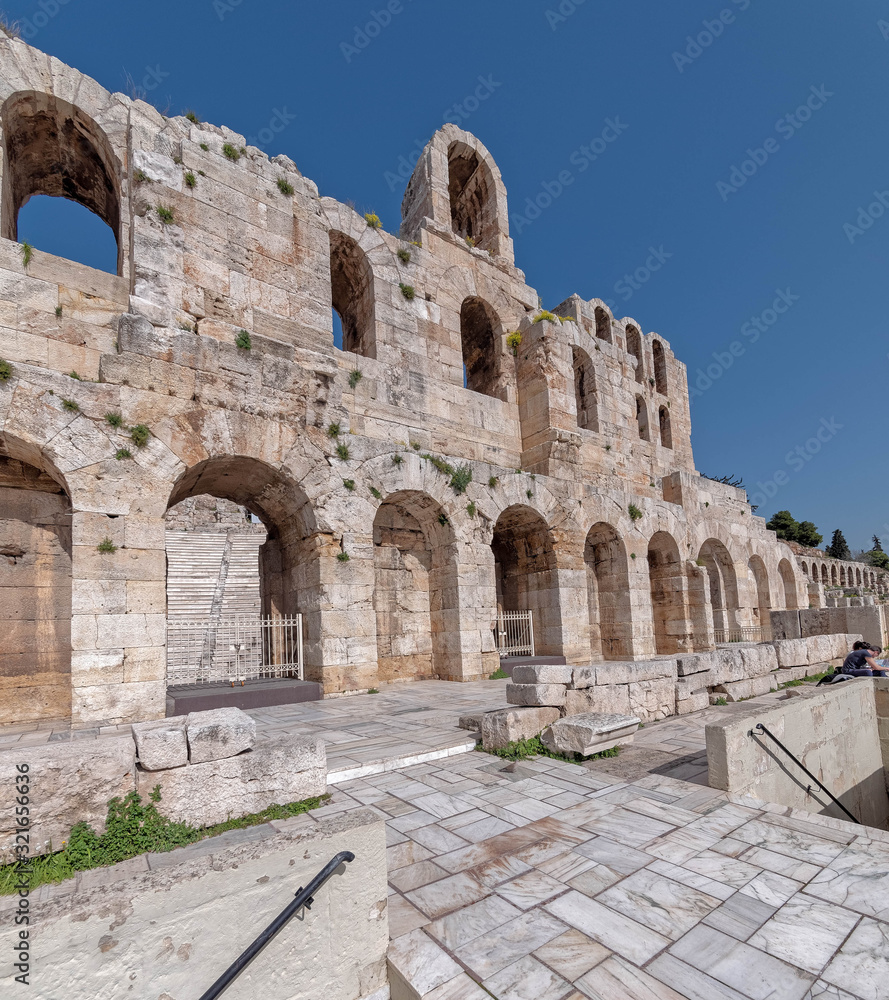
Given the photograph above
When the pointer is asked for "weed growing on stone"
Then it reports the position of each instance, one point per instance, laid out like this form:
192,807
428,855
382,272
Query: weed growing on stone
114,419
27,254
205,147
404,256
529,493
373,220
349,484
106,546
230,153
190,180
334,431
535,747
397,459
471,508
374,492
6,371
165,214
415,445
243,340
140,435
342,451
355,377
284,186
140,177
608,447
131,829
74,375
514,341
192,117
58,312
443,519
545,314
498,675
721,701
373,690
123,453
70,405
470,242
492,482
408,291
342,556
634,512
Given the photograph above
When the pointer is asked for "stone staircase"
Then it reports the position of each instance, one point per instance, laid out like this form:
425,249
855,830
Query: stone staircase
212,574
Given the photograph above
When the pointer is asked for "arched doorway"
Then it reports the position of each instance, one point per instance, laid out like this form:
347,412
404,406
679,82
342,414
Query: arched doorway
763,608
723,587
788,582
669,608
608,594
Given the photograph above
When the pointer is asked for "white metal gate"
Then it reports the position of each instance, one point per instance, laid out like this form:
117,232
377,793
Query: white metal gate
514,633
234,649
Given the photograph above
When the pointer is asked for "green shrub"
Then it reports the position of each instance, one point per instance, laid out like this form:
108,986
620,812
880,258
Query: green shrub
634,512
443,519
416,445
243,340
192,117
70,405
334,431
106,545
165,214
114,419
6,371
27,253
373,220
123,453
342,556
373,690
535,747
355,377
529,493
404,256
408,291
190,179
470,242
284,186
608,447
721,701
514,341
140,435
230,153
342,451
498,675
461,478
349,484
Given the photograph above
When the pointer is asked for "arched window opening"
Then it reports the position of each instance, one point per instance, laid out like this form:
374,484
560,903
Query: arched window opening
642,419
666,430
52,148
608,594
669,596
35,593
603,324
824,578
858,577
585,397
634,347
480,341
788,583
842,576
805,569
352,295
833,576
660,367
471,192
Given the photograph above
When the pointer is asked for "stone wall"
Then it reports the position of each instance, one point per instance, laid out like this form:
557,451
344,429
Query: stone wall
832,730
553,468
168,925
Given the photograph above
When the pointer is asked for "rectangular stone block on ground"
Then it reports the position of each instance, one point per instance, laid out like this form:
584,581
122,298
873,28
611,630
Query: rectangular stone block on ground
542,673
219,733
161,744
590,733
508,724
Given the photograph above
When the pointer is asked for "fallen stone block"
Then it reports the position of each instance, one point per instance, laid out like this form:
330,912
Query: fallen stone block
161,744
285,770
541,673
219,733
471,722
590,733
506,725
535,695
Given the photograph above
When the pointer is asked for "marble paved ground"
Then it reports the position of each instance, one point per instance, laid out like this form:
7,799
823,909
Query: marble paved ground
543,880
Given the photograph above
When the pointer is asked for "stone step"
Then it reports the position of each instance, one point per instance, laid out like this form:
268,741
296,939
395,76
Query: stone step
186,698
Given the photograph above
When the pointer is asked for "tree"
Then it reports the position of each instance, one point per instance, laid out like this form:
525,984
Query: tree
785,525
839,547
877,557
877,547
808,534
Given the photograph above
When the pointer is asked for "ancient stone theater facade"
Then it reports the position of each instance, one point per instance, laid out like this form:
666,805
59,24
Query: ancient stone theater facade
464,451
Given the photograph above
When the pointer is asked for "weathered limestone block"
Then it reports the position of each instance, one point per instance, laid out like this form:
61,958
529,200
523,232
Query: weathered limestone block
542,673
820,648
535,695
508,724
750,688
652,699
621,672
471,722
219,733
690,698
161,744
792,652
695,663
590,732
286,770
69,783
609,698
759,659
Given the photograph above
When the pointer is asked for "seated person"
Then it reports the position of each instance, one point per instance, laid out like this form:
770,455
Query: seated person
862,662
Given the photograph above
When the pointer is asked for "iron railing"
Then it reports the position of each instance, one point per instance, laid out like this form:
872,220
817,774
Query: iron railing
741,633
303,898
759,728
234,650
514,633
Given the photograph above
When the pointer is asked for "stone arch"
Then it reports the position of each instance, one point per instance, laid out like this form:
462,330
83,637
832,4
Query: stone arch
666,428
858,577
634,347
471,195
51,147
603,325
480,341
723,583
527,575
660,367
35,586
842,576
352,294
608,594
761,612
833,576
788,582
669,610
642,419
415,589
805,567
585,395
824,577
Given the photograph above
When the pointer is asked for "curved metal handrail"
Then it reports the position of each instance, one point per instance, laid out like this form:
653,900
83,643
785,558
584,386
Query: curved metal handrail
302,898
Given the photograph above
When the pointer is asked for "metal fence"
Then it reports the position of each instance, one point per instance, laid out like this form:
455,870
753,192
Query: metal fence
514,633
742,633
234,649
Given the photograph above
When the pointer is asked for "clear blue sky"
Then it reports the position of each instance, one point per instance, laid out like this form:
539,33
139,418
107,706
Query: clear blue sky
687,113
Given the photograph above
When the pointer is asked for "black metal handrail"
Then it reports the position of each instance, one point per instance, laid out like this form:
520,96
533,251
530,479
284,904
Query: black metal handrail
302,898
762,729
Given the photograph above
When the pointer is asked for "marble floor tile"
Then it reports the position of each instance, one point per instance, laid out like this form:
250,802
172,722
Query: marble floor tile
411,821
412,877
740,916
462,819
858,879
781,864
531,809
440,804
498,870
448,894
572,954
459,988
805,933
436,839
527,979
693,879
617,856
406,853
680,845
483,829
421,962
403,917
542,850
616,979
665,906
728,870
628,827
771,888
530,889
555,828
760,833
615,931
751,972
458,929
862,965
595,880
488,954
566,866
690,983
